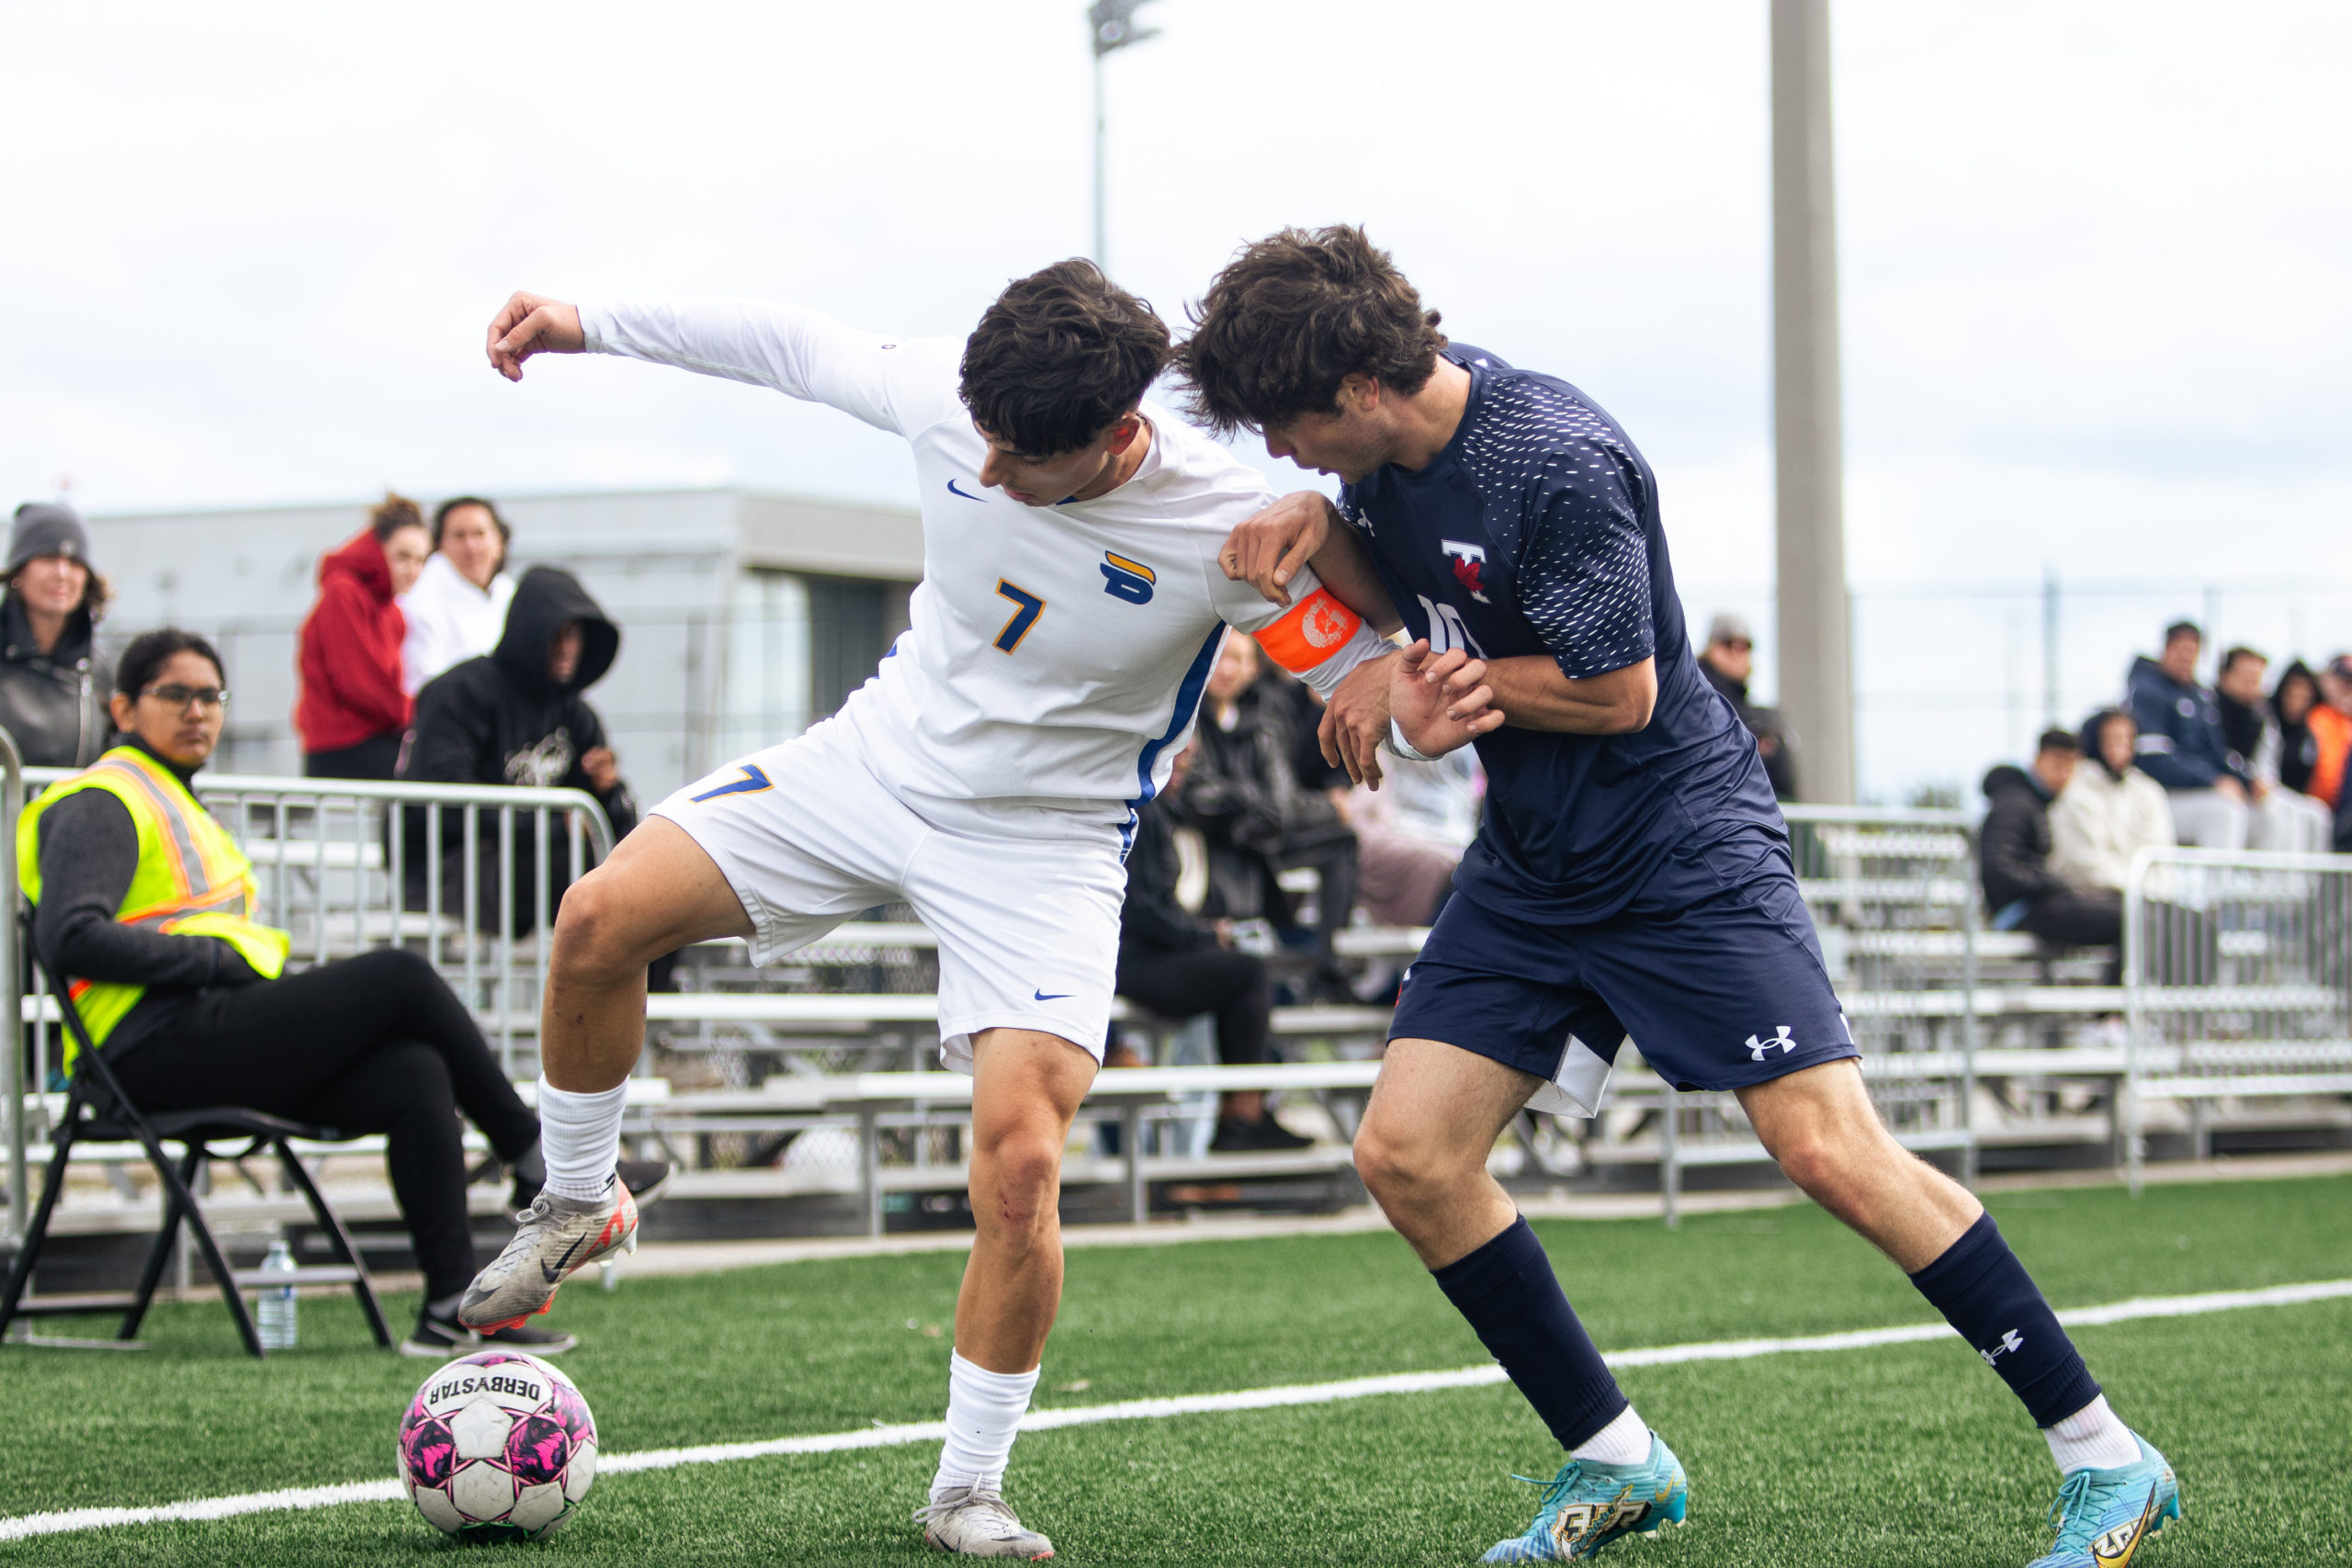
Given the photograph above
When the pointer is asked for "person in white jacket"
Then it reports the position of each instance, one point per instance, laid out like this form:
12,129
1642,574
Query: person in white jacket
2109,810
458,608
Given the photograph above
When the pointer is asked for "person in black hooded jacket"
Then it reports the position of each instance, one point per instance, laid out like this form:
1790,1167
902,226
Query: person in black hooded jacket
2013,850
515,716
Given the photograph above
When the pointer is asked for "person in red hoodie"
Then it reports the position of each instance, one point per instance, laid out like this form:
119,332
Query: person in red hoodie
352,712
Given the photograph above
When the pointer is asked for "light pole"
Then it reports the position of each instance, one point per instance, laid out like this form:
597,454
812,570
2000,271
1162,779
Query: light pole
1812,626
1112,25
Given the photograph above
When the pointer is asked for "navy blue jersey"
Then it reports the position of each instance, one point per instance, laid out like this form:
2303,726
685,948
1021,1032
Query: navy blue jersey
1536,532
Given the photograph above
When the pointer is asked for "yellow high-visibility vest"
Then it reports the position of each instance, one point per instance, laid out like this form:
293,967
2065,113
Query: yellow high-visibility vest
192,879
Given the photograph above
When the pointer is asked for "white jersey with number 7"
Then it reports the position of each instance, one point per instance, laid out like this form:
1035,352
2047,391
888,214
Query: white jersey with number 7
1055,652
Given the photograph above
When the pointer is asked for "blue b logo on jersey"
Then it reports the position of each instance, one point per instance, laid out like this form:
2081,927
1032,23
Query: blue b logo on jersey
1125,579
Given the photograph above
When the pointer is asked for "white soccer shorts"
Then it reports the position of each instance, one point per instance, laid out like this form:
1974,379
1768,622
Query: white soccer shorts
1023,898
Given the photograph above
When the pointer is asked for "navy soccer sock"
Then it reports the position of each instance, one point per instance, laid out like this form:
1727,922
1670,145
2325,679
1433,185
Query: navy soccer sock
1514,1300
1982,1289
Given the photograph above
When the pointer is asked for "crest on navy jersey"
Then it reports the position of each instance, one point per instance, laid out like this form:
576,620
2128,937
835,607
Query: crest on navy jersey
1469,561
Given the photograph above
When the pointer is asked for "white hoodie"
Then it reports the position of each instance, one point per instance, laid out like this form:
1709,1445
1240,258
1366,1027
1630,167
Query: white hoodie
2101,821
449,620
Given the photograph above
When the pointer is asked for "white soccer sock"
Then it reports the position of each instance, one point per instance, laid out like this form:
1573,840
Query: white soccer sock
1625,1440
2092,1438
984,1411
580,1138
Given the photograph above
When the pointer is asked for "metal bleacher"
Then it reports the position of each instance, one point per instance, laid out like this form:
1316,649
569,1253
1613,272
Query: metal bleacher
818,1077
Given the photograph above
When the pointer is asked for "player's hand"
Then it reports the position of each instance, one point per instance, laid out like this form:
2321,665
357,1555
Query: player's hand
1355,720
2229,788
604,770
529,324
1267,550
1442,702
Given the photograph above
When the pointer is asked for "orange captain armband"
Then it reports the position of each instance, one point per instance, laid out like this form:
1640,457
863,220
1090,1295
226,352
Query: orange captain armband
1310,632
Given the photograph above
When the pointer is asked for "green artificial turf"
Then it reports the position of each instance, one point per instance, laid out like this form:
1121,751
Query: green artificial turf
1902,1454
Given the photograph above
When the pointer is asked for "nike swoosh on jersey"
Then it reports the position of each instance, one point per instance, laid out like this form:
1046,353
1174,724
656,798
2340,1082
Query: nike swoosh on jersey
967,494
1050,997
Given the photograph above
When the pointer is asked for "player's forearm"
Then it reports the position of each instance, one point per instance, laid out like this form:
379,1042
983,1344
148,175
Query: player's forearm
742,340
1346,569
1533,695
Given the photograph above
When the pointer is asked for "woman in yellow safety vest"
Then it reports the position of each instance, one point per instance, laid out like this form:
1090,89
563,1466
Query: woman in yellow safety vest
147,904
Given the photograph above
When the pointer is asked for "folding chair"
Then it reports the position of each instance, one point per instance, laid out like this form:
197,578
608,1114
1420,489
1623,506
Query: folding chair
97,1110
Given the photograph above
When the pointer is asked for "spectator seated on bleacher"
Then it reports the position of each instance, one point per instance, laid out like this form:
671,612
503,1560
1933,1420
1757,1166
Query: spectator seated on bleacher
144,901
2282,818
2109,810
2330,721
2022,889
1244,796
2219,802
516,716
1177,966
2291,700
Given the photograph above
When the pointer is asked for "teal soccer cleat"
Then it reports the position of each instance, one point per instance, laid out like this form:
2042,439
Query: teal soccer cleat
1588,1504
2104,1517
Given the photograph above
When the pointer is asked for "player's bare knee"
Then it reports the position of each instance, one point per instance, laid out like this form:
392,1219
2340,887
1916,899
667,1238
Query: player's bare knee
1395,1167
1828,1163
593,934
1021,1171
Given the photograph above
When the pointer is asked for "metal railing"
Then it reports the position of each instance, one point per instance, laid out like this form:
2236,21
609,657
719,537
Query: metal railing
1893,896
12,804
2237,977
466,874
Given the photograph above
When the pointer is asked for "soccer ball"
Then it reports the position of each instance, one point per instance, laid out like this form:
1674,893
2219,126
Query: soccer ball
497,1447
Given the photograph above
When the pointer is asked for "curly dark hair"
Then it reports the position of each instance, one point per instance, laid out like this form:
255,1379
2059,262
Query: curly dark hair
1061,357
1294,315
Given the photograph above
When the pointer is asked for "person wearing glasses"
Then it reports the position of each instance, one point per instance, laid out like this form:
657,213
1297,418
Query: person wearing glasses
1727,661
148,906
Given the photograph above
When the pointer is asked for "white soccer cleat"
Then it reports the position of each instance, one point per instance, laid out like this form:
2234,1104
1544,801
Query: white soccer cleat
977,1523
554,1238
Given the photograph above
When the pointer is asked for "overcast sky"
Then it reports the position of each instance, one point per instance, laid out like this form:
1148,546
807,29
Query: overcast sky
2095,256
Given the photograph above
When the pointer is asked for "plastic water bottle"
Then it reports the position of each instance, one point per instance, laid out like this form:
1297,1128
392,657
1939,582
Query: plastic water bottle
275,1318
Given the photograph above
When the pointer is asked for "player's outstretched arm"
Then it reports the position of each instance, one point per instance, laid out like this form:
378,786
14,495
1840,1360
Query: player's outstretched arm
1266,551
533,323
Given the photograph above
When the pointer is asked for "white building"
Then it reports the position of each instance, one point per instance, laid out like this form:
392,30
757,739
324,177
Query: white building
744,617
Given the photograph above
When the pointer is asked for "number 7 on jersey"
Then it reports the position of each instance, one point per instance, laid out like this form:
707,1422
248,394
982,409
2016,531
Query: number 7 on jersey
1031,607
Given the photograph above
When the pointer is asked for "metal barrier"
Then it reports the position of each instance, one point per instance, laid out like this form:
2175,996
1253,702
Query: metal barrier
1893,896
2237,977
12,802
466,874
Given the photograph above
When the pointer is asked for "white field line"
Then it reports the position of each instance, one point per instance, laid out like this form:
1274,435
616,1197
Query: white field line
881,1437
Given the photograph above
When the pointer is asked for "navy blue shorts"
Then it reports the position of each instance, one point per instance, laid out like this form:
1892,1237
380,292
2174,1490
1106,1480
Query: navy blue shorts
1713,971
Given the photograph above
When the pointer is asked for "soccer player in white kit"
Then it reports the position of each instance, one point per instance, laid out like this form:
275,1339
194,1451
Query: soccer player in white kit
1070,609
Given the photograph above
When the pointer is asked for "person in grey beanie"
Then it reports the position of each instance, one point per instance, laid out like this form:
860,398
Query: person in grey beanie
52,692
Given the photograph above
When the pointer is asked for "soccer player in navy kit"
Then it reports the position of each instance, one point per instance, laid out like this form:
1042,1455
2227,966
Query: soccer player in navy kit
1632,876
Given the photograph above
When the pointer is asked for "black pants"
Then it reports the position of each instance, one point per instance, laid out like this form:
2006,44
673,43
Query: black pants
375,758
1179,984
2078,920
376,1044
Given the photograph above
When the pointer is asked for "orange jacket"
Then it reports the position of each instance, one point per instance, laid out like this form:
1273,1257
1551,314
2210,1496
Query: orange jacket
2332,730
